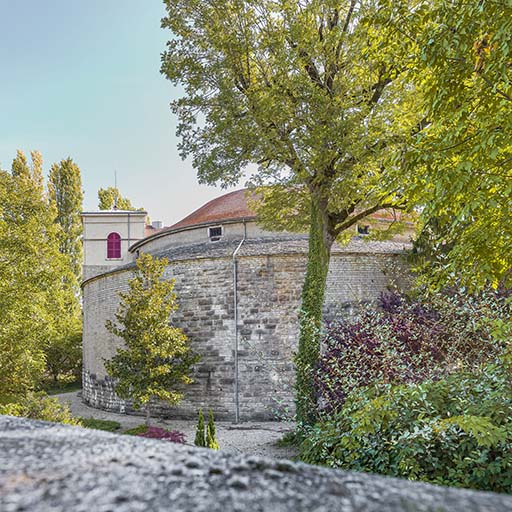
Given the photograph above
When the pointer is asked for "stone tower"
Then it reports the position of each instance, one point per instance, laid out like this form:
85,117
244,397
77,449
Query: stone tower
107,236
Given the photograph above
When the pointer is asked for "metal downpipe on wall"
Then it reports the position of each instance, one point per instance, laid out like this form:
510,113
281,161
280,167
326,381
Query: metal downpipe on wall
235,319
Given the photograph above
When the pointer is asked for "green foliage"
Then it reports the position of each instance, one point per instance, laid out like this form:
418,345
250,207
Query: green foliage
156,357
106,425
289,439
135,431
63,385
65,191
64,349
211,436
408,340
312,93
455,431
63,352
459,55
38,286
39,406
110,198
31,270
200,439
206,437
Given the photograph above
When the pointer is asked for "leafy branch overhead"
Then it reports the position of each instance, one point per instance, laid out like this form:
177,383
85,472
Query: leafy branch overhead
303,89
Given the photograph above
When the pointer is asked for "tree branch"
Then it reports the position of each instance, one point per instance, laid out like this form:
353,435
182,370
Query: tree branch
361,215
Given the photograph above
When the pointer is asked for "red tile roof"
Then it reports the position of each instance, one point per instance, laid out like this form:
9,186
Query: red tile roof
229,206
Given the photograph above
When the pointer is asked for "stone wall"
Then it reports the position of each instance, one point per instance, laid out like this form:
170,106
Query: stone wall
269,288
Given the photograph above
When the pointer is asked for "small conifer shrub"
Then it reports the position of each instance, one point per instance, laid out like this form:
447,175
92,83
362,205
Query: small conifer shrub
200,439
211,438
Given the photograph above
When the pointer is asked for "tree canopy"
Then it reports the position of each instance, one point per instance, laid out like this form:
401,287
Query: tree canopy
65,191
40,318
310,92
30,273
463,161
110,198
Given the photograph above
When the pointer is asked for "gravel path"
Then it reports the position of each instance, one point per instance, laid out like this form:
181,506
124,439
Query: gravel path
256,438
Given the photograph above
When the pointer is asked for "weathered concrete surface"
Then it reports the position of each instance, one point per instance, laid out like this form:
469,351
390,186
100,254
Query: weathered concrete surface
47,467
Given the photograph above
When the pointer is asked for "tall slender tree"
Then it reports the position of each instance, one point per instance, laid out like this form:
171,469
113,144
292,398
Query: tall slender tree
30,279
20,167
309,91
65,190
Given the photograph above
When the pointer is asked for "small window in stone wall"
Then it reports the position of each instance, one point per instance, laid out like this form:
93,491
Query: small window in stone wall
113,246
215,233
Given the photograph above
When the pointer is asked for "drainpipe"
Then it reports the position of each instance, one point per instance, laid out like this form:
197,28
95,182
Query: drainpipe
129,234
235,319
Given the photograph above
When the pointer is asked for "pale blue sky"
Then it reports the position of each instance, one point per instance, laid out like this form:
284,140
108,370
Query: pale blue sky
81,78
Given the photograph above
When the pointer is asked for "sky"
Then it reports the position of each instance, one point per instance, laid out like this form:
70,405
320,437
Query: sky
81,78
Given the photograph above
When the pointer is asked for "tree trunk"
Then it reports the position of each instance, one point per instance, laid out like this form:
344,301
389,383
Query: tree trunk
148,415
320,243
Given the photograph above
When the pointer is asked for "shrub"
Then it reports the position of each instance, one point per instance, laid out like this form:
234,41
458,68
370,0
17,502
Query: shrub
200,439
135,431
410,341
107,425
161,433
454,431
211,437
39,406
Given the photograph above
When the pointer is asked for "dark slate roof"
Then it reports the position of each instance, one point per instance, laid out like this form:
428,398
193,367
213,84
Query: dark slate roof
292,244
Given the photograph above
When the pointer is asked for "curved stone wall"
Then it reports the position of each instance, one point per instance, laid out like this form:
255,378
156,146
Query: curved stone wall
270,276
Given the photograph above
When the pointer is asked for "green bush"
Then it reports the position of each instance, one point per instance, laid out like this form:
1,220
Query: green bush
200,439
211,433
107,425
135,431
455,431
39,406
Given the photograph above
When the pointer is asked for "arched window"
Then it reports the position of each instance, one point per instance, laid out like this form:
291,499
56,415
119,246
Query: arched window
113,246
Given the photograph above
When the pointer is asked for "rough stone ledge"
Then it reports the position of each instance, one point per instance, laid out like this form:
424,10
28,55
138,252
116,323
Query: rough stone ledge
45,466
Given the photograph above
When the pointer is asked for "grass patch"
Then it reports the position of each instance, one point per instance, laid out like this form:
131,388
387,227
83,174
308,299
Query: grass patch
56,388
135,431
107,425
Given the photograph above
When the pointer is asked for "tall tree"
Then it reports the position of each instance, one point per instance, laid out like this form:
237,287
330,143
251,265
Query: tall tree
156,356
30,279
65,190
110,198
312,93
20,166
37,169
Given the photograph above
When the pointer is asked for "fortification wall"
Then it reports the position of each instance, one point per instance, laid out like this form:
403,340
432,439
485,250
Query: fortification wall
269,289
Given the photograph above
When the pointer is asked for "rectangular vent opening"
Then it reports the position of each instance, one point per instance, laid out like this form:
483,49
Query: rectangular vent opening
363,229
215,233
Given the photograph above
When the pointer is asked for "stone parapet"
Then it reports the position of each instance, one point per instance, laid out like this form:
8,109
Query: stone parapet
49,467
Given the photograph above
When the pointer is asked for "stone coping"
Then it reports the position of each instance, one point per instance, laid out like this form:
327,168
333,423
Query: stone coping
49,467
283,246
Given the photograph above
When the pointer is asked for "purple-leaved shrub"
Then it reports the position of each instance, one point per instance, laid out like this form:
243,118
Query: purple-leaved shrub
161,433
405,340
